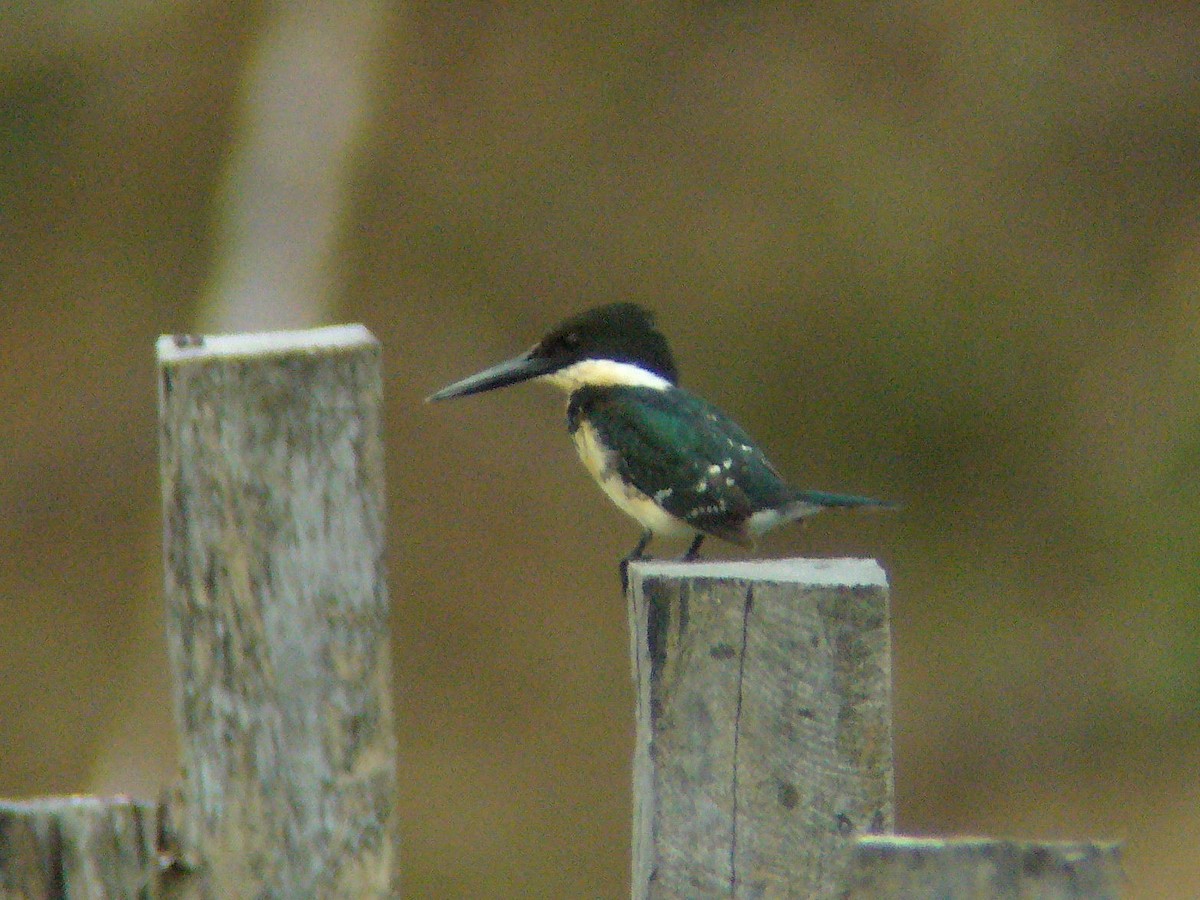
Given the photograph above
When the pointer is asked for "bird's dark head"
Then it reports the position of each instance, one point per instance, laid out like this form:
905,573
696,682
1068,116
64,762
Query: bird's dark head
609,345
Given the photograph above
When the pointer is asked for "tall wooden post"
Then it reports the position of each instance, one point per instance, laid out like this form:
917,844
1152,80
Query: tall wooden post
763,725
277,612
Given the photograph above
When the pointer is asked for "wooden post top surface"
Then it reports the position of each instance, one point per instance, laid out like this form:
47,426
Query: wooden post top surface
176,348
790,570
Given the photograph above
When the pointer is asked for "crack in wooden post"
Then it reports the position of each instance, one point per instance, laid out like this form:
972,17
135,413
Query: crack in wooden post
737,721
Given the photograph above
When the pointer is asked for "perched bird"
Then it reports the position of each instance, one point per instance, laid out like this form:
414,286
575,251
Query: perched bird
673,461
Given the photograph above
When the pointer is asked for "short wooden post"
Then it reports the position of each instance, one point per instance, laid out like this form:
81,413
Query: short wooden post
277,613
78,847
896,868
763,724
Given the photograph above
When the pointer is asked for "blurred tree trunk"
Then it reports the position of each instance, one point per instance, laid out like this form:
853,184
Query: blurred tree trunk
304,105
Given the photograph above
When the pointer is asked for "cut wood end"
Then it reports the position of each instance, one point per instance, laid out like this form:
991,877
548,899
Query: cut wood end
898,843
820,572
176,348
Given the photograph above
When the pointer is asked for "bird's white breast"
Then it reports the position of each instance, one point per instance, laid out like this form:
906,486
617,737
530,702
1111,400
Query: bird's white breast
598,460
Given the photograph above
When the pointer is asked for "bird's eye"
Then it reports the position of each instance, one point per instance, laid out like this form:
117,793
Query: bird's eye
571,340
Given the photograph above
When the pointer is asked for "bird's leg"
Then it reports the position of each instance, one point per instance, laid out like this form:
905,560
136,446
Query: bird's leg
693,551
637,552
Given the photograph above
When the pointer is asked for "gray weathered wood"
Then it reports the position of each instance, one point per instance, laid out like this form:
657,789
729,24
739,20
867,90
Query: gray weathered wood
277,614
900,868
78,848
763,724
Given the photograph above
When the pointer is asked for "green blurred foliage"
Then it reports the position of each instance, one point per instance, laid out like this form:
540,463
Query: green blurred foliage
946,253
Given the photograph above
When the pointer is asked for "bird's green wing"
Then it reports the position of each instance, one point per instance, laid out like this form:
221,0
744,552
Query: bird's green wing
687,455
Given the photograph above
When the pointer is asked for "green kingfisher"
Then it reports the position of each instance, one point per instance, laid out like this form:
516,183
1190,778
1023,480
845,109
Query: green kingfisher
672,461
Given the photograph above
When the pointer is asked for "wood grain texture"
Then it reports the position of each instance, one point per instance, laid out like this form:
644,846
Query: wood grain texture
277,612
895,868
78,848
763,724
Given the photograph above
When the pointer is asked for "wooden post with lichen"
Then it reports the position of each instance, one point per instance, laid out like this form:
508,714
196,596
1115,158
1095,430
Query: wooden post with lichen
763,724
277,613
894,868
78,847
763,757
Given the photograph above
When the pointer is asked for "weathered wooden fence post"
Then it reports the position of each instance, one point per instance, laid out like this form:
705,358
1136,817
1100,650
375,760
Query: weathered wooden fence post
763,758
277,613
763,725
901,868
78,847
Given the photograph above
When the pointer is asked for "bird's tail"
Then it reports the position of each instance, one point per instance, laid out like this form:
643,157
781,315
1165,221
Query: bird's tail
826,499
805,503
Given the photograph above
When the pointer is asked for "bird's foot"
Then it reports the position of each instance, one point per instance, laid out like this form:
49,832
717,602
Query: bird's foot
638,552
693,551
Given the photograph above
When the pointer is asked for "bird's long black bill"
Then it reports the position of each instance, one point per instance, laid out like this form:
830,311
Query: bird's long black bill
511,371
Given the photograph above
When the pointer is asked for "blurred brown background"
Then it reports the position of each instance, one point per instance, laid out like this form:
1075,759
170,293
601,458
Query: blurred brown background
943,253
